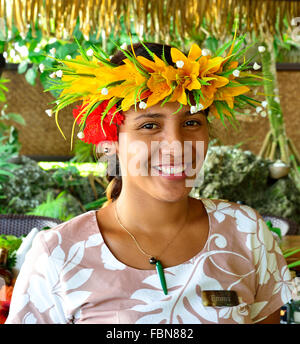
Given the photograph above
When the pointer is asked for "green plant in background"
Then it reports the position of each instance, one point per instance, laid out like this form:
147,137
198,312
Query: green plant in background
277,145
287,253
96,204
83,152
9,143
56,208
11,243
66,177
3,89
6,167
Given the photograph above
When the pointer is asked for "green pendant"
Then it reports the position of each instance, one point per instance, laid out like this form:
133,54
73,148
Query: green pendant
161,275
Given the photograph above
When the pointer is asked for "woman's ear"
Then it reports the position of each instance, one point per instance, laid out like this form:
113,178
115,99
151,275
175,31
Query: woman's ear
108,147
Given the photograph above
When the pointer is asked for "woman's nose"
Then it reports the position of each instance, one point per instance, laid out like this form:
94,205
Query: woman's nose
172,143
173,134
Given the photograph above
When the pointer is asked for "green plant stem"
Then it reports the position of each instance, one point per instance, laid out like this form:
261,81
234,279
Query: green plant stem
265,144
274,109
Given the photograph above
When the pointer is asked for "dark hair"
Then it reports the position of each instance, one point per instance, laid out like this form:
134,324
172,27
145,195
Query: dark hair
114,187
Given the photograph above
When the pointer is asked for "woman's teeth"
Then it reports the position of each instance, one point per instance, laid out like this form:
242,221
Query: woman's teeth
170,170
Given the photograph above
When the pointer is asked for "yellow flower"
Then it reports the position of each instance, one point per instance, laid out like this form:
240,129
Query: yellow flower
186,76
132,82
158,83
85,80
207,69
228,93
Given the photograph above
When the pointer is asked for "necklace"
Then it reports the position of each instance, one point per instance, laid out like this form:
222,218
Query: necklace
153,259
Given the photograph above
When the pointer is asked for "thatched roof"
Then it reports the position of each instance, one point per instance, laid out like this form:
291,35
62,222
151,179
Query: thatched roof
159,18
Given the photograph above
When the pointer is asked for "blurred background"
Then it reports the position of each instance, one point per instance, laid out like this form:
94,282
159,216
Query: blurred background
255,164
44,182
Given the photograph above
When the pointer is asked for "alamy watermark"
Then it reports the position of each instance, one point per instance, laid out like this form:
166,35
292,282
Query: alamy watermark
134,158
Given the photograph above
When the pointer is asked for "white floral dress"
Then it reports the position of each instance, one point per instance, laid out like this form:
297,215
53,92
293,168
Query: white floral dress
70,276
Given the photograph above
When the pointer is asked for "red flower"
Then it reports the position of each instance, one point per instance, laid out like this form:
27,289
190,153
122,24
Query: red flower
93,132
5,298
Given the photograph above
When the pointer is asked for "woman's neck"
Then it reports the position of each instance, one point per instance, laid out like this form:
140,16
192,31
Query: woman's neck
149,216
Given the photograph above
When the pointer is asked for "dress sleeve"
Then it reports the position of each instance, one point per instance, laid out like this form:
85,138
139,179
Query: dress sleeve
273,279
36,296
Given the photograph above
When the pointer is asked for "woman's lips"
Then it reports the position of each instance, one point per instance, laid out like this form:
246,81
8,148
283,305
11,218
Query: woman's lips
166,172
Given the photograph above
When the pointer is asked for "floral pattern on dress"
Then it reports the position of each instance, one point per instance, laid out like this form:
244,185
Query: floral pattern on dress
70,276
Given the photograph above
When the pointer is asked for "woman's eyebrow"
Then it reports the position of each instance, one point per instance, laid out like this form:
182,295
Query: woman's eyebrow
159,115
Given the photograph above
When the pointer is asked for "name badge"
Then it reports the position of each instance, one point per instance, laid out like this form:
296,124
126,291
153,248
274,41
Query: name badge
219,298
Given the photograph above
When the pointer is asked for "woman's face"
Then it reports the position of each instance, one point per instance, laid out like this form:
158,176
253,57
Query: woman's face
153,137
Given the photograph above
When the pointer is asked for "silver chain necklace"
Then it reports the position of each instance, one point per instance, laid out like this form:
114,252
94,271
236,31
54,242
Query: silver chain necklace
153,259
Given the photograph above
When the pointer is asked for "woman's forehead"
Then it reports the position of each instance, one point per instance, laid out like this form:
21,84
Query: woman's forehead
157,111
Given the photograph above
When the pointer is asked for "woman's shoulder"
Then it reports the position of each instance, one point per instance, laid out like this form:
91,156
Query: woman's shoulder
240,224
81,228
227,206
241,217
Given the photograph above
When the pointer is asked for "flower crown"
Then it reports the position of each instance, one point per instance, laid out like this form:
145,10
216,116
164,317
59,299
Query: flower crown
107,90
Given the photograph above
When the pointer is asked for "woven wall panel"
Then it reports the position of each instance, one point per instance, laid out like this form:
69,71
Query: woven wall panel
253,131
42,137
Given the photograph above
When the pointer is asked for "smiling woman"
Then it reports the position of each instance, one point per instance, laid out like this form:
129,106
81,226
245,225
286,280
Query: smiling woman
141,128
153,254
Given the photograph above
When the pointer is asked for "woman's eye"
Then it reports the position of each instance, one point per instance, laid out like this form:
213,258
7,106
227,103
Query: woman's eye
150,125
147,124
193,121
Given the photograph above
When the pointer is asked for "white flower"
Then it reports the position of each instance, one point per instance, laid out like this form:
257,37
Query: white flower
90,52
80,135
52,40
142,105
258,109
236,73
52,75
104,91
264,103
199,107
277,100
49,112
206,52
256,66
36,50
193,109
41,67
68,57
261,49
284,284
196,108
53,51
219,210
179,64
59,73
124,46
263,114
